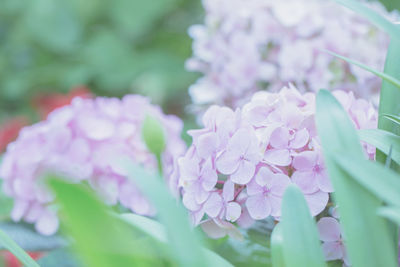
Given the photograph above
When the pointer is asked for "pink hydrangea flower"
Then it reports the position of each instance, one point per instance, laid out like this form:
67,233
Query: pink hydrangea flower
333,244
248,45
240,162
85,141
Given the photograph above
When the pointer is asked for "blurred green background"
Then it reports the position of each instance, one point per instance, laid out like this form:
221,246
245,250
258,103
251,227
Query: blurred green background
111,47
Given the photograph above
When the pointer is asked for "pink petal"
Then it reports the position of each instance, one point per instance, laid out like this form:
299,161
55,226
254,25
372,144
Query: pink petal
245,220
228,162
306,181
228,191
258,206
239,142
300,139
264,176
209,176
279,138
233,211
47,224
279,157
329,229
324,183
276,204
189,202
244,173
279,184
212,229
317,202
96,128
213,205
189,169
305,161
332,251
206,144
253,188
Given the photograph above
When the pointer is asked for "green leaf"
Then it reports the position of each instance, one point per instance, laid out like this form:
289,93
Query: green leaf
390,96
277,244
375,18
357,205
392,213
101,239
183,241
382,140
392,118
18,252
382,75
382,182
158,231
59,258
154,136
29,239
301,246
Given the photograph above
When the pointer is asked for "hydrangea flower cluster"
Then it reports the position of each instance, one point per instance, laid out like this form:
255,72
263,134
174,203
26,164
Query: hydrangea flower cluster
241,162
245,46
85,141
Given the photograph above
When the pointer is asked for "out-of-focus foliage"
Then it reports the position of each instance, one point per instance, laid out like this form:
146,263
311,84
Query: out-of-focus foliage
113,47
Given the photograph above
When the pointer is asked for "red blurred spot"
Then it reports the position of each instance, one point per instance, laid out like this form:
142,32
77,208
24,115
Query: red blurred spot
11,261
49,102
9,130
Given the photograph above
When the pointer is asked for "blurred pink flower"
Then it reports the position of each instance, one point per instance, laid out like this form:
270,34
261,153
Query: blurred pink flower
249,45
85,141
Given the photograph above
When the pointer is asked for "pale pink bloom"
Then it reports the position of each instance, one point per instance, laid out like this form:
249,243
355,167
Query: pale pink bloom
332,240
85,141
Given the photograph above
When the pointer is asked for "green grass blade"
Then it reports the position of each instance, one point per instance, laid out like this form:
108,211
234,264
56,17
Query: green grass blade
182,239
395,82
158,231
301,246
278,259
392,118
382,182
101,239
382,140
390,96
391,213
18,252
375,18
368,238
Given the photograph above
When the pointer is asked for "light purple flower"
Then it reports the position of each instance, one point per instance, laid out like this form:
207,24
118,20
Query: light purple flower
240,162
85,142
240,157
265,194
333,244
249,45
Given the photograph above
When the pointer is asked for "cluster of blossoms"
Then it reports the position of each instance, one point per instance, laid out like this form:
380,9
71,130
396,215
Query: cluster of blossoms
85,141
241,162
245,46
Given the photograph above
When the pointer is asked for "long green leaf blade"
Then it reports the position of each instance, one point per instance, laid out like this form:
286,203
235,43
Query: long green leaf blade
382,182
277,244
392,118
382,75
382,140
182,239
101,239
18,252
392,213
357,206
301,246
373,16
